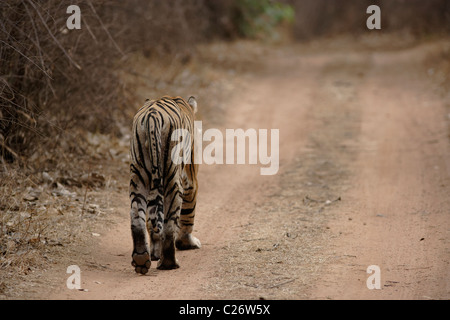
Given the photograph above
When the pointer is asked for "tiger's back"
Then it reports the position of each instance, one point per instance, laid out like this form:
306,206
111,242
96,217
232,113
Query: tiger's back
162,193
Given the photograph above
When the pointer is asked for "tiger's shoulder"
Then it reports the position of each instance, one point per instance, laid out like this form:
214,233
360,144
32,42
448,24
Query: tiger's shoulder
189,106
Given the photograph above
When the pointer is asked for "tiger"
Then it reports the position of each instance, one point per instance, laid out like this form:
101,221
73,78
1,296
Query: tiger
163,194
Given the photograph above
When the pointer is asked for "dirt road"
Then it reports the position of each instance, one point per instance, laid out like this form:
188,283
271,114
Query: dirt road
364,180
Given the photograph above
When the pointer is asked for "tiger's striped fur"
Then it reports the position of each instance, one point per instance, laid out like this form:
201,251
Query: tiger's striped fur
163,194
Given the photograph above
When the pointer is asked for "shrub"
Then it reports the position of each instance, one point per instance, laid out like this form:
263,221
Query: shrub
259,18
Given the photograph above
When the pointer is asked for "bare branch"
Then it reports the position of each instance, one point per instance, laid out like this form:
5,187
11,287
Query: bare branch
53,37
104,28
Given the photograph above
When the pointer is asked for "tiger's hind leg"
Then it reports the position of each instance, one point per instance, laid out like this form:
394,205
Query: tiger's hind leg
173,204
185,239
155,245
140,256
168,260
155,220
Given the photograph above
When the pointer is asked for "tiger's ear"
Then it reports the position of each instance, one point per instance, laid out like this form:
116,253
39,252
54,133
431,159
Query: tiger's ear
193,103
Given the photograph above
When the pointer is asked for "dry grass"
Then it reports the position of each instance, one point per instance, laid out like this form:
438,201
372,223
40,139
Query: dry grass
44,217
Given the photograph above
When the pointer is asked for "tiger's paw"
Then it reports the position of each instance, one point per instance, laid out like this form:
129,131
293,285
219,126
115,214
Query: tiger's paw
188,242
167,264
141,262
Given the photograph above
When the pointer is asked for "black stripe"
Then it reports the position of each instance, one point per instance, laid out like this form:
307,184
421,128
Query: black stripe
137,196
155,202
186,224
187,211
175,109
134,170
176,194
141,154
136,200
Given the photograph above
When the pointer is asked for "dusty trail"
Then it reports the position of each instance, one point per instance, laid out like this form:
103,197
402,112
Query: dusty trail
228,194
363,126
397,213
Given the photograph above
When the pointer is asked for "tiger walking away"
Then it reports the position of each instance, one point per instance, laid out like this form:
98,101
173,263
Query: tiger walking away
163,194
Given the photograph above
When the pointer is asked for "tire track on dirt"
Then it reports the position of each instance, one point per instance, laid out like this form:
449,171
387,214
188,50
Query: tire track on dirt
396,215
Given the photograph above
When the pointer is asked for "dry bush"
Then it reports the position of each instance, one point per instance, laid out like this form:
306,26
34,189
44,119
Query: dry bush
51,76
54,79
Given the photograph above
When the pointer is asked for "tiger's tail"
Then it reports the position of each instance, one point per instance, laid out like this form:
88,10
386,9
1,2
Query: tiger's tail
155,199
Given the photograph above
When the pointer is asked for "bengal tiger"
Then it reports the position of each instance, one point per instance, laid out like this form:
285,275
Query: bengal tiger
163,194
